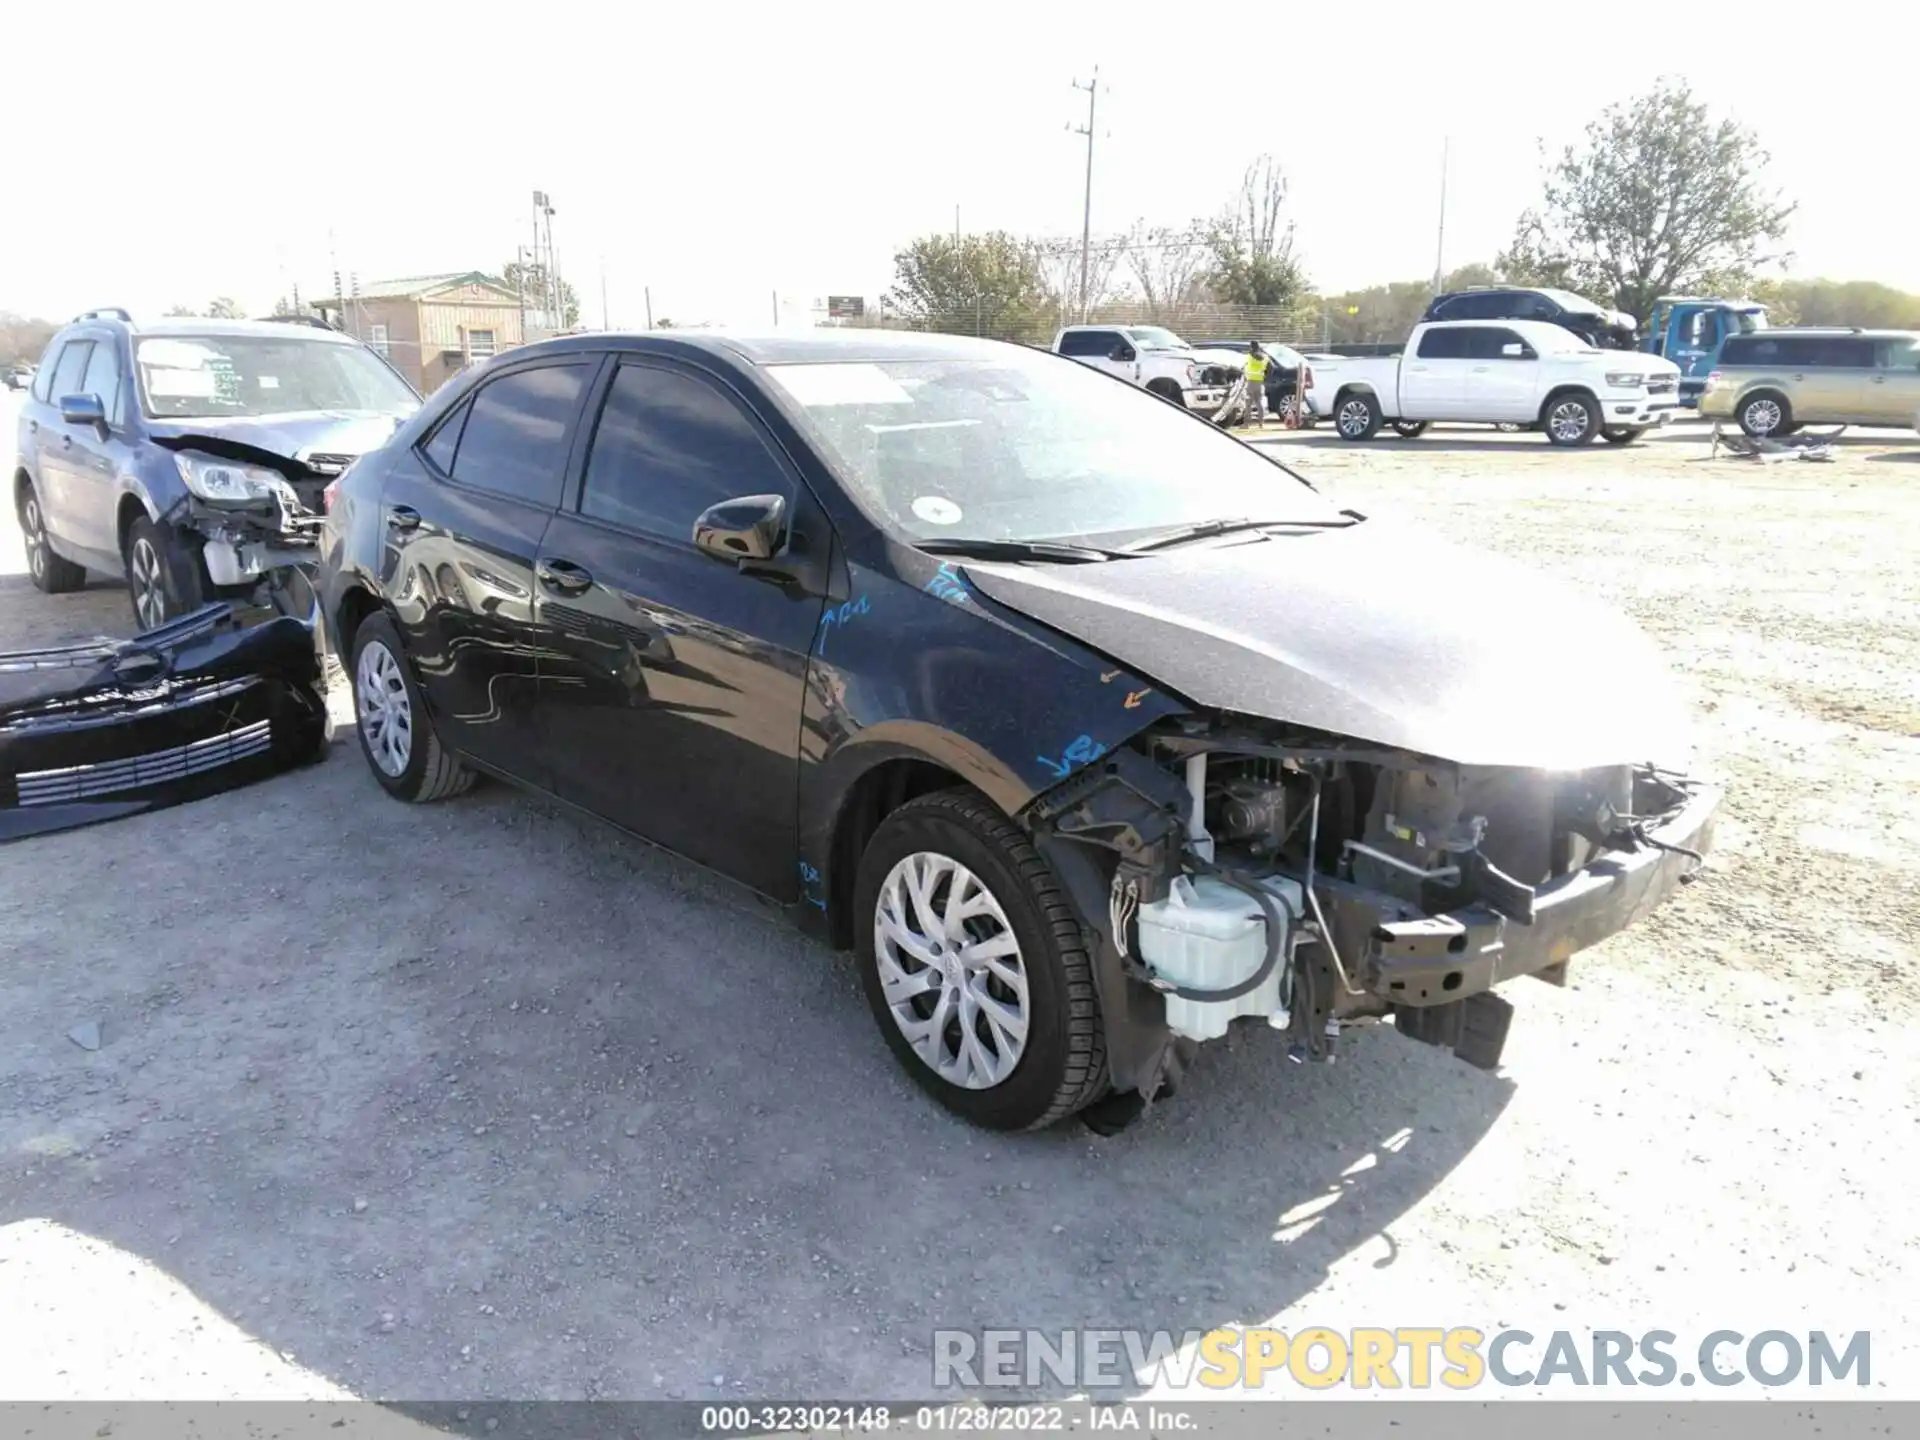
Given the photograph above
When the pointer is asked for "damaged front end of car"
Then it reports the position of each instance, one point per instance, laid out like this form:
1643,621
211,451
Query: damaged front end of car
1235,868
110,728
250,510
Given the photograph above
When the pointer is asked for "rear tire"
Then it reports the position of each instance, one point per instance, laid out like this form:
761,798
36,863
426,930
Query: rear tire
1012,950
1623,434
1409,429
1571,418
1765,413
52,574
390,716
1356,415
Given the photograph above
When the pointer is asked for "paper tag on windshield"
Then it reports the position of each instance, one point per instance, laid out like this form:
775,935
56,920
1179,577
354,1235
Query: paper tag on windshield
181,384
840,385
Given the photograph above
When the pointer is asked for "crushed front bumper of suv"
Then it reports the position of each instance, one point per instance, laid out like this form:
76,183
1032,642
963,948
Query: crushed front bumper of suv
242,544
109,728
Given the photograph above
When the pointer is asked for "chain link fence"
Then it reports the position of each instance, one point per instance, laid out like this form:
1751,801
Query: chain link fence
1303,327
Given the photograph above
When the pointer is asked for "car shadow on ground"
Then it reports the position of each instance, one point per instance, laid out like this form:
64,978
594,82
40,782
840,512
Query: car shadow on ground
1449,441
479,1100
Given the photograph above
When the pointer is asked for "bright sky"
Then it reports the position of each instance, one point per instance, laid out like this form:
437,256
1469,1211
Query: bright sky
720,154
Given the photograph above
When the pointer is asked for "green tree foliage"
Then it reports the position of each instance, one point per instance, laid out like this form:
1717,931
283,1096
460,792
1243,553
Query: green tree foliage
533,277
1659,198
992,285
1252,242
1866,303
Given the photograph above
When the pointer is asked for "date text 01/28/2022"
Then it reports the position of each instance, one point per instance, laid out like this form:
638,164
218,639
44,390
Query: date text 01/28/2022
871,1419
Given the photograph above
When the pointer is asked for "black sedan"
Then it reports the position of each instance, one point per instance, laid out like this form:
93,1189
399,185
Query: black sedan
1088,727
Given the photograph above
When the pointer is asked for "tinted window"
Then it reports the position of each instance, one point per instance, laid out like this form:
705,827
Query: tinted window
1528,307
514,442
1496,305
446,439
668,445
1445,343
1739,350
1837,353
1485,344
1089,342
103,379
71,370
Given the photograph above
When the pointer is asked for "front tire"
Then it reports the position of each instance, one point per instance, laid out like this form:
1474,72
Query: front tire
1766,413
975,967
1356,415
162,583
52,574
1167,390
1571,419
390,715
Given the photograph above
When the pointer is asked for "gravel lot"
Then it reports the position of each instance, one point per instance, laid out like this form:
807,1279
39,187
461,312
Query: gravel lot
475,1100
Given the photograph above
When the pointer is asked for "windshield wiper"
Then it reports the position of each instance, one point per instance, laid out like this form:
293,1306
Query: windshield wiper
1205,529
1059,550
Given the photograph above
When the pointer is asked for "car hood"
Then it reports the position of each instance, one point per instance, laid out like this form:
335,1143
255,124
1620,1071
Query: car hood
1374,632
296,436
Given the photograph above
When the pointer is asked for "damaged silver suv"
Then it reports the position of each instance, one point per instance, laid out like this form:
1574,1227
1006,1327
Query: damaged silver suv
191,455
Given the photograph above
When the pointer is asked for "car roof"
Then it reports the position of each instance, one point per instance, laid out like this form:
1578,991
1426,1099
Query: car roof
190,325
790,347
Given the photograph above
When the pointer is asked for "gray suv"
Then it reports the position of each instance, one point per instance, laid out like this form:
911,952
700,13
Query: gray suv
191,456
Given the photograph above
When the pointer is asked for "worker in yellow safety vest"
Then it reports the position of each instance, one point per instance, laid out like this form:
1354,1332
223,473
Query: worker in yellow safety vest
1256,377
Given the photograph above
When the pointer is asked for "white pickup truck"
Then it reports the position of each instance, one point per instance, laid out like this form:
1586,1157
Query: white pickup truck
1155,359
1529,373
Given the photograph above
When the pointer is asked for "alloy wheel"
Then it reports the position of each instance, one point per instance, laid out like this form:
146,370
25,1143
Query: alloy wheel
1568,421
386,711
1353,418
34,536
951,969
1763,417
149,587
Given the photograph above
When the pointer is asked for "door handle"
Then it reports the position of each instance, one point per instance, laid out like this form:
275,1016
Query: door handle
66,442
563,577
402,517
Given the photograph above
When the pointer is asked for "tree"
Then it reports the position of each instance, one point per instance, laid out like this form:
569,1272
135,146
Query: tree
182,311
532,275
1659,198
990,284
1467,276
1253,261
1169,266
23,338
1059,263
225,308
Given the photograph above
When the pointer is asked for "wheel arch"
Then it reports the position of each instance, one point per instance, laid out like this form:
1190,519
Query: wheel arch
1560,392
869,778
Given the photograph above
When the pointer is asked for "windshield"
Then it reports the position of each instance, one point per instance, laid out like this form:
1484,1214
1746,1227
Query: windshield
1576,304
1022,447
226,376
1752,320
1152,337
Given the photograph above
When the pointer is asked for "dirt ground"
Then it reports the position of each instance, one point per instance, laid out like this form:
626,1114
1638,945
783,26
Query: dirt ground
475,1100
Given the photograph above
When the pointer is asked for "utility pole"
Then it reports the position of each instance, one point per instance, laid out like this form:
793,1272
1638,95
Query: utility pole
1092,87
956,227
539,203
646,292
605,324
520,286
1440,246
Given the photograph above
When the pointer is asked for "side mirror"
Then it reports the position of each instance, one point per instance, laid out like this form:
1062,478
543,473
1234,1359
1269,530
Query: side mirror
83,410
1513,350
1121,352
749,528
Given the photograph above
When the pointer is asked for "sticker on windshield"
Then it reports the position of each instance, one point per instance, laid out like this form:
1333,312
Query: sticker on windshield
937,510
840,385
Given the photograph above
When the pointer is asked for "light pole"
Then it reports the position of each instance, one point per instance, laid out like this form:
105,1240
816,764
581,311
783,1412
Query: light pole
1092,87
